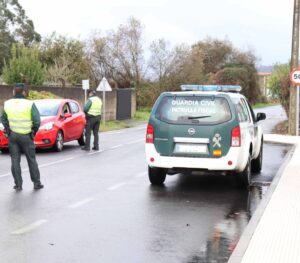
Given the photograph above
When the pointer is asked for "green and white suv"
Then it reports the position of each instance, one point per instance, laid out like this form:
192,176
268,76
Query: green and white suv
204,128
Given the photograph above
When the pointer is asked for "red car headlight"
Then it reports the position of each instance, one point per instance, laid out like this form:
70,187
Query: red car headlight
47,126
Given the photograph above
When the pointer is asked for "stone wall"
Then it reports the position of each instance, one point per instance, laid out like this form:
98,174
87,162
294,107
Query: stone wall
76,94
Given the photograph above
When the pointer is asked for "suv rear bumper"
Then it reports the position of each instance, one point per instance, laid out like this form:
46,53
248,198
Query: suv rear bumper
236,155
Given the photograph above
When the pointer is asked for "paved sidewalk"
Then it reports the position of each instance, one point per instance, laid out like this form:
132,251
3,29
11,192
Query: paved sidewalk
273,233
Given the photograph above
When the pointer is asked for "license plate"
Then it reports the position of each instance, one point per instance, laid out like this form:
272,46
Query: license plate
190,148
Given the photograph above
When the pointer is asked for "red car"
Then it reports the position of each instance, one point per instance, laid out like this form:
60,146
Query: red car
62,120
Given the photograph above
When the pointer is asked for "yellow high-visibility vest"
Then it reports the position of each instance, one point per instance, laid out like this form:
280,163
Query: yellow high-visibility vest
18,113
95,109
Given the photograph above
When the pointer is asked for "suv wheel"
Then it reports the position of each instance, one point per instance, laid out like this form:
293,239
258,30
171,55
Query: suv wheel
157,176
256,164
244,177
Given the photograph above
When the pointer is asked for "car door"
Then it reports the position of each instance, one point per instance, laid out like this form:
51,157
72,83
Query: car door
257,138
250,123
78,120
67,122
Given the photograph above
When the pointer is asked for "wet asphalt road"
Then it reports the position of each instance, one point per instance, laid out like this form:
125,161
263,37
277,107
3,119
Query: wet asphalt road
100,207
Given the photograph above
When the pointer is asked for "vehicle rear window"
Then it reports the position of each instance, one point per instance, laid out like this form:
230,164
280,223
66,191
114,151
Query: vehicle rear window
193,110
47,108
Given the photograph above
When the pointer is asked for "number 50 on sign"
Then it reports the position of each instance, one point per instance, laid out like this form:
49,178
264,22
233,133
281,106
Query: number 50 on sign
295,76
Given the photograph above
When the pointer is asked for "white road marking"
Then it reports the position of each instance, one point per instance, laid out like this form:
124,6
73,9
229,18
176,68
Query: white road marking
116,146
7,174
95,152
29,228
71,158
4,175
110,133
132,142
116,186
141,174
82,202
42,165
56,162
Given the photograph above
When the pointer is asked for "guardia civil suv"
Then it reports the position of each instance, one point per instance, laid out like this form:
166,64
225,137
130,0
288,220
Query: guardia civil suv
204,128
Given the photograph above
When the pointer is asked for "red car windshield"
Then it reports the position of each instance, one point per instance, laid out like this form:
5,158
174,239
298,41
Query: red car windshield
47,108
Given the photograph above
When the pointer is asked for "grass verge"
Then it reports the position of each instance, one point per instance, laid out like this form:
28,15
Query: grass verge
140,116
114,125
262,105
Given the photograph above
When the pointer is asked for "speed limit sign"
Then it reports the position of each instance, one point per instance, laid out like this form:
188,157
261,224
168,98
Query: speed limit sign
295,76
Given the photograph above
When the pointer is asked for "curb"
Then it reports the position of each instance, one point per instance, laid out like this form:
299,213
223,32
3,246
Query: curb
241,247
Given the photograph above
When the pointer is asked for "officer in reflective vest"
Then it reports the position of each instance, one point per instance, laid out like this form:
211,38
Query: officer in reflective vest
92,110
21,121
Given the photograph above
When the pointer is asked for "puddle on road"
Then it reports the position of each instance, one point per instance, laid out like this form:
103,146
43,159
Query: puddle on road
201,218
227,232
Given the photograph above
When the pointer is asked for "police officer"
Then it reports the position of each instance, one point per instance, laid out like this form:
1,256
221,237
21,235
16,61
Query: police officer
21,121
92,110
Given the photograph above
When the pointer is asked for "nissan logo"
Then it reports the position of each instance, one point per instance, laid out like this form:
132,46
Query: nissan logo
191,131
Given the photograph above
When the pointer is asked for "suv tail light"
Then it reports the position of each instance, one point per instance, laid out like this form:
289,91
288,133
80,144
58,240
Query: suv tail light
236,137
150,134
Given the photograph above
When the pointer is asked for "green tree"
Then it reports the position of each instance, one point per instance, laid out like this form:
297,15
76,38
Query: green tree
24,66
214,53
240,70
15,27
279,84
119,55
64,59
167,63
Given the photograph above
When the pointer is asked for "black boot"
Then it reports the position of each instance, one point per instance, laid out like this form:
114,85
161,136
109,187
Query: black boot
38,186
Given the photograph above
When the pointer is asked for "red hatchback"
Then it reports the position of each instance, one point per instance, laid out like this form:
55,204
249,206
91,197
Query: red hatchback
62,120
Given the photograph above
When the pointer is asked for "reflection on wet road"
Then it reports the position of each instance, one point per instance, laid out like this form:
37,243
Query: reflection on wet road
205,216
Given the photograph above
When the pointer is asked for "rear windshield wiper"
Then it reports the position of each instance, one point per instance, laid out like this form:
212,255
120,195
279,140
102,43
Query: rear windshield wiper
198,117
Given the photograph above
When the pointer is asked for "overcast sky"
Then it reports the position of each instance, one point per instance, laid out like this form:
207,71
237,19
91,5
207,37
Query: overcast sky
264,26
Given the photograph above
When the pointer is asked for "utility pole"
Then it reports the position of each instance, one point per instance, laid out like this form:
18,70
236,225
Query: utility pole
294,64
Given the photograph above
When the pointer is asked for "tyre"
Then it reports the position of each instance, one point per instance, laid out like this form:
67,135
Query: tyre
81,140
256,164
4,150
59,142
244,177
157,176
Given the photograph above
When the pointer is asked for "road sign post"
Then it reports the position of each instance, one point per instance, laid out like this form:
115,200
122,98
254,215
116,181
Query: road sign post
297,111
85,87
104,86
295,79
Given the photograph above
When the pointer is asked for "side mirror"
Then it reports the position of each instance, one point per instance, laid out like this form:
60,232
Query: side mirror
67,115
260,116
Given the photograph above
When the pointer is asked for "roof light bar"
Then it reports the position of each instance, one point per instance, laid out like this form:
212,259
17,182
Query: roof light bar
232,88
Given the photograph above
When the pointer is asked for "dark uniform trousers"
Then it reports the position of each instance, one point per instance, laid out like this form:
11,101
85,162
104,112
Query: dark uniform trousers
92,124
19,143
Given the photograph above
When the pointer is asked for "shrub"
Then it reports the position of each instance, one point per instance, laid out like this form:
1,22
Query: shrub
35,95
24,66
